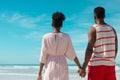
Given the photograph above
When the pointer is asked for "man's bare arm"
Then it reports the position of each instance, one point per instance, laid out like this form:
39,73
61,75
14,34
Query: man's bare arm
116,43
89,50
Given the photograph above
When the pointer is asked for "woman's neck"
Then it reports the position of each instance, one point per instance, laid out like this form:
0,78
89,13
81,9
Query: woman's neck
56,31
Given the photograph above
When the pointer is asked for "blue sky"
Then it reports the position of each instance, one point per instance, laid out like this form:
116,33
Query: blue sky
24,22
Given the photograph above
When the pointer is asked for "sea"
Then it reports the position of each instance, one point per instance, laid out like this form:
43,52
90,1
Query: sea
30,72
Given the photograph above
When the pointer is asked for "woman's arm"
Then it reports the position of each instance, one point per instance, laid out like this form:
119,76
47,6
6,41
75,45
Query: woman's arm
77,62
80,71
42,57
40,71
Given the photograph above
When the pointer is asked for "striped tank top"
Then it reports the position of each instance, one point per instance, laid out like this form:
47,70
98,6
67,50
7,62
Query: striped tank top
104,47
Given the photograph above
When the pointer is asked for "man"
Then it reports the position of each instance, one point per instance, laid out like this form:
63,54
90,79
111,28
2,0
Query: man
102,49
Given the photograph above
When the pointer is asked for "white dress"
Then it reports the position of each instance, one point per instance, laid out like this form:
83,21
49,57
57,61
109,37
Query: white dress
55,48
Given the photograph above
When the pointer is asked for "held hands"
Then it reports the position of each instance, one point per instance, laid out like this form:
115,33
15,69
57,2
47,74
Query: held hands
82,72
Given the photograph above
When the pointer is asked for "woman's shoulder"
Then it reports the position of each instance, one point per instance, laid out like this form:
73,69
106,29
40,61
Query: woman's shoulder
47,35
65,34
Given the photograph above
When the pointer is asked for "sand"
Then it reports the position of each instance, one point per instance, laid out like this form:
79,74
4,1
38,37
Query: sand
20,77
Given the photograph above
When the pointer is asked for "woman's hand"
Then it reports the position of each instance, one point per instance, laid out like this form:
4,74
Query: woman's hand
79,71
40,71
39,77
82,72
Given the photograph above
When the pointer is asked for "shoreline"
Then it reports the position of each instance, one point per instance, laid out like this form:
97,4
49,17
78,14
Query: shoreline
34,77
30,72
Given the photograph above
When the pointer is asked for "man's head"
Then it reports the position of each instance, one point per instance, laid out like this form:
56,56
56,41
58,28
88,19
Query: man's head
99,13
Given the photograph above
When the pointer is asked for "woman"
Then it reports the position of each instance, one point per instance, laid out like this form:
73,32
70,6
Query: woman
55,47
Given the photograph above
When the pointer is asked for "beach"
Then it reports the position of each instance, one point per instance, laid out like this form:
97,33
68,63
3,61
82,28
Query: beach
31,73
18,77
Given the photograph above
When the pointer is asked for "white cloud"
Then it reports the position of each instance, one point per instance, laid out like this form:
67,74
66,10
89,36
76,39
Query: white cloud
78,36
24,20
114,19
34,35
16,17
73,17
81,19
81,38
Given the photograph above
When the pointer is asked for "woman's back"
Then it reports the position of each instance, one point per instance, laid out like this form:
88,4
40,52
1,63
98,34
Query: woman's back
56,46
56,43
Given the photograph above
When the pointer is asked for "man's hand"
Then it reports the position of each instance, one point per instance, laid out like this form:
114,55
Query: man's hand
82,72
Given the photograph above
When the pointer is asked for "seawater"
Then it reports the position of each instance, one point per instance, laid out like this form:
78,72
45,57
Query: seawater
33,69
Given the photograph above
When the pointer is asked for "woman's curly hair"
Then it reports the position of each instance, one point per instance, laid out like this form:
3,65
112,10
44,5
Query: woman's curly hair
57,19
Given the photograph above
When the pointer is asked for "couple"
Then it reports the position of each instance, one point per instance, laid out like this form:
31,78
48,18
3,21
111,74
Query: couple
100,53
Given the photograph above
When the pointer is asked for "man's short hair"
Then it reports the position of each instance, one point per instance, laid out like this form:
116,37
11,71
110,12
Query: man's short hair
99,12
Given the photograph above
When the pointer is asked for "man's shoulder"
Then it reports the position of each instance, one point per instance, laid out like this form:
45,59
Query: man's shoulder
92,28
92,32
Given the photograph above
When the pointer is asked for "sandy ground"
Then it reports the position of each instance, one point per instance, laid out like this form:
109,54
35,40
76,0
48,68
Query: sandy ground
16,77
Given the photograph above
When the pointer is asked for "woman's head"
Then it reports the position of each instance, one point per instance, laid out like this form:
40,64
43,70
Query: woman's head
57,20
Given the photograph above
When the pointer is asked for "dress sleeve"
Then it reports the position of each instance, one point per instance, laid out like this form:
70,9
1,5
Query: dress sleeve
70,53
43,55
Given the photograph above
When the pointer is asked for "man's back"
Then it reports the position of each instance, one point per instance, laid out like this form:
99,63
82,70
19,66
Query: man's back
101,50
104,47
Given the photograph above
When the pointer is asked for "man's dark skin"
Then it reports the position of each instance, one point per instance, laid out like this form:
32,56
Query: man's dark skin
91,42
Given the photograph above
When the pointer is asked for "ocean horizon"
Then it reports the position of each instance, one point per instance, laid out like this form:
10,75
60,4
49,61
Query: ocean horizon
30,72
36,64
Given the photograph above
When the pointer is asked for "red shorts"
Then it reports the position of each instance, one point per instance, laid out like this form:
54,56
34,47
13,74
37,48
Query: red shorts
101,73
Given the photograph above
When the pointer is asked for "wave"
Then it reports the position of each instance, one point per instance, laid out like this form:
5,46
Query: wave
117,68
12,72
19,74
19,67
26,67
37,67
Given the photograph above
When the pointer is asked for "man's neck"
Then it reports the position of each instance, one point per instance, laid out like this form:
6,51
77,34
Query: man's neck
100,22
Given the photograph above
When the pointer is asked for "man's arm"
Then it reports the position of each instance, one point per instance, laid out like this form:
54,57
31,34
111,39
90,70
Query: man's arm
116,43
89,50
